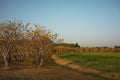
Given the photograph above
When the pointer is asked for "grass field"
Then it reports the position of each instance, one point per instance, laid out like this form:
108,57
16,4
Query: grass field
105,62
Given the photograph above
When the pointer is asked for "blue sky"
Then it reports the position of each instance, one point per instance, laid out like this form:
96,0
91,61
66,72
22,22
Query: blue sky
87,22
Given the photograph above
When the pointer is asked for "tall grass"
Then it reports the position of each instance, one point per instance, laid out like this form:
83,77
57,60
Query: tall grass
105,62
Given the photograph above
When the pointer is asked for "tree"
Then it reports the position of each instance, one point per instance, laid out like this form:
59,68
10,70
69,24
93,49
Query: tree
18,40
41,39
10,32
77,45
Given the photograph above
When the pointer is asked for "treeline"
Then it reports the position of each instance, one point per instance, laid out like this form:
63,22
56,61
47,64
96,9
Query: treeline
67,48
116,46
72,45
18,40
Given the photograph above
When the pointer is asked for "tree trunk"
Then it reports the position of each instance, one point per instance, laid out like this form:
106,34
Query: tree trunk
9,57
38,57
41,61
6,62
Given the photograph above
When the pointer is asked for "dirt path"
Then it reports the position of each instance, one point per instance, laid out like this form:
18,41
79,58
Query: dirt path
112,76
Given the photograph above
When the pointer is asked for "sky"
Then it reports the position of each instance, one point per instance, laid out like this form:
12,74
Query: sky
87,22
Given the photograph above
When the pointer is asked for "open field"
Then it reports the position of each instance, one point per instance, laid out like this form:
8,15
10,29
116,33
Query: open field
106,62
99,63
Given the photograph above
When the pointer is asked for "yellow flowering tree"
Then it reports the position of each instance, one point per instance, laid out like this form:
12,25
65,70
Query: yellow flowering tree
10,32
41,39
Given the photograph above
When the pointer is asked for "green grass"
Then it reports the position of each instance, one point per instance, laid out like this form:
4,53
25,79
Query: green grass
105,62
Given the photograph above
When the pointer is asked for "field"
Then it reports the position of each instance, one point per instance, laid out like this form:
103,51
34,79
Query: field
27,70
105,63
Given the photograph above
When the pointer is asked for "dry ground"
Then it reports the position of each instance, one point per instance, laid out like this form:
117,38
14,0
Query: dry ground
29,71
40,73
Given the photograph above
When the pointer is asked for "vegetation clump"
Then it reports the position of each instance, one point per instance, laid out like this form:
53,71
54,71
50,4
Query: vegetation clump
19,41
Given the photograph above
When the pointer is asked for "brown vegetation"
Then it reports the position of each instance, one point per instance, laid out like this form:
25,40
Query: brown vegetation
18,41
67,48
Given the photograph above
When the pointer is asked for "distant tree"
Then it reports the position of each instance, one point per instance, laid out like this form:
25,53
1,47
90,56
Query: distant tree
77,45
116,46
